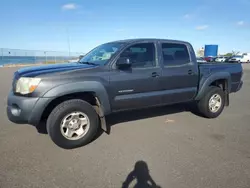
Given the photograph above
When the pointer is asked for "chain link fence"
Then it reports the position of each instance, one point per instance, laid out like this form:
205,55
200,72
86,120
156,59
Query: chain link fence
18,56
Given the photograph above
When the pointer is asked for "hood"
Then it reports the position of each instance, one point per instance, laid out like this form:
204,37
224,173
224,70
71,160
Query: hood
55,68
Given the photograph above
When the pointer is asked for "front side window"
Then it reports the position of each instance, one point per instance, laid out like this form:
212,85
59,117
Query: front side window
175,54
101,54
141,55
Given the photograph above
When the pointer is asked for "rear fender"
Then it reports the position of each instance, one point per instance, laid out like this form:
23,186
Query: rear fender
206,82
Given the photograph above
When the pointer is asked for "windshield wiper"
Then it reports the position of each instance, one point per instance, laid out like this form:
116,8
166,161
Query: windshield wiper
86,62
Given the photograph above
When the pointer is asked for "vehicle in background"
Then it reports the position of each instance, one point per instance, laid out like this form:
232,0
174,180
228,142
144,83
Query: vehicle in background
80,57
74,98
220,59
201,60
243,58
228,58
236,59
209,59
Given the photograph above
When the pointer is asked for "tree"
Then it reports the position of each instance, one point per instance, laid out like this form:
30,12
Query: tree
233,53
229,54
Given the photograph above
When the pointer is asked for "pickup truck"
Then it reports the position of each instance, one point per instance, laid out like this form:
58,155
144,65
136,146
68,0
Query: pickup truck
74,98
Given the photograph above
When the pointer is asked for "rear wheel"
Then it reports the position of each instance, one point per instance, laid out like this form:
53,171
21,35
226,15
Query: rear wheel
73,123
212,103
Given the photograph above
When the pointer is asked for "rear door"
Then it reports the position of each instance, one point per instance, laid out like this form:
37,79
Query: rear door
138,86
179,80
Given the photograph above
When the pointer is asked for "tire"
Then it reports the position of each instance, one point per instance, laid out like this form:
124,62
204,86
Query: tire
55,129
203,104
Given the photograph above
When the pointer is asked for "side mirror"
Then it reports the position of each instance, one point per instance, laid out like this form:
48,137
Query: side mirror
123,62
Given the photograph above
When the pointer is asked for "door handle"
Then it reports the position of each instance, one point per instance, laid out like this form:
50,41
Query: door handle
155,74
190,72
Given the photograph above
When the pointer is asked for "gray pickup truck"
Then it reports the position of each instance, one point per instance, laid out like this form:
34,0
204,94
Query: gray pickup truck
74,98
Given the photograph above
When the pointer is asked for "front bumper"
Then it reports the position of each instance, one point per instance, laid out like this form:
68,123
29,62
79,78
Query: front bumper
25,110
19,108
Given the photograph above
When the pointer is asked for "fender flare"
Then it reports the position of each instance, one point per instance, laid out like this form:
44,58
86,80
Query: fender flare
85,86
205,82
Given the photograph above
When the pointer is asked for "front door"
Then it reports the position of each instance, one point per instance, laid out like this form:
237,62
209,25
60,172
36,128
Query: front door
138,86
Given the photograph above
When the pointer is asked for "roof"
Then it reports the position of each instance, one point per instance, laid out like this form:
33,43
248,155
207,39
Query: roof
150,39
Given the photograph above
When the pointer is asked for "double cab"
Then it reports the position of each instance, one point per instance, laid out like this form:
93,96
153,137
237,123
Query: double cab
74,98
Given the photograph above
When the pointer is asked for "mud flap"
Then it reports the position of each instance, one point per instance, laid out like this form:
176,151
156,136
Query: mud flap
100,113
226,99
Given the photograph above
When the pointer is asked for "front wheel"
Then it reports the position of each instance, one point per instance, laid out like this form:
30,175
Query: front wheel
73,123
212,103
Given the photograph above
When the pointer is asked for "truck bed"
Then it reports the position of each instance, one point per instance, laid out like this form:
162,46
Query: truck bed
234,70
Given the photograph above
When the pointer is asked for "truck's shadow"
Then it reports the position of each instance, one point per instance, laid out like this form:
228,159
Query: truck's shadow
134,115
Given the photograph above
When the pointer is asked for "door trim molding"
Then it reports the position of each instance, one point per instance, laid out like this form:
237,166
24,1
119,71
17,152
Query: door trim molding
154,93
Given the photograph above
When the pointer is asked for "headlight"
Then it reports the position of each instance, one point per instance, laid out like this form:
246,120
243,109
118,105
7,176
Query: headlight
26,85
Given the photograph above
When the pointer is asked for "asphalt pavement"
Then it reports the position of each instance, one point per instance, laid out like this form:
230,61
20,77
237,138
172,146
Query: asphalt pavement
180,149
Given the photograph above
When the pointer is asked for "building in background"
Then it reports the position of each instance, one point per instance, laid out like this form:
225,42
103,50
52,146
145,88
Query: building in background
211,50
200,52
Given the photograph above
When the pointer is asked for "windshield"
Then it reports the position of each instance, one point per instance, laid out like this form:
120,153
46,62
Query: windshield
101,54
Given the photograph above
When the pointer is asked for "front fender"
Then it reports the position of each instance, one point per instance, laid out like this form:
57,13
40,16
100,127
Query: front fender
207,81
85,86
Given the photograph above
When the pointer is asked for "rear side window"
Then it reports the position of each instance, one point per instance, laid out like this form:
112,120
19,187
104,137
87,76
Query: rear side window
175,54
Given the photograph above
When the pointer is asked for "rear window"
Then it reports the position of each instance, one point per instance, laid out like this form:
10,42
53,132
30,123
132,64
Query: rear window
175,54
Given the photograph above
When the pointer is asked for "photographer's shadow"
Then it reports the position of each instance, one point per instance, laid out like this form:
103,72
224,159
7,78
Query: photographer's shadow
142,177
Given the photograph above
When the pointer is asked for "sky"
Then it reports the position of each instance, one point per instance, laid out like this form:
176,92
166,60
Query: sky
80,25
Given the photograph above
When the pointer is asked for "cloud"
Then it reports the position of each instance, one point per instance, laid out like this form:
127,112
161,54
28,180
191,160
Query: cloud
120,30
69,6
240,23
187,16
201,27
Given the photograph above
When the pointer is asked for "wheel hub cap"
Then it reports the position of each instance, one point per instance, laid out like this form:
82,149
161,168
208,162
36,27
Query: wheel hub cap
215,103
75,125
